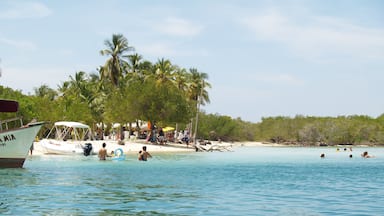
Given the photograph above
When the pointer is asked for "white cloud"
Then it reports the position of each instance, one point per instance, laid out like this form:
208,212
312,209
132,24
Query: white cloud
66,52
25,10
168,50
276,78
19,44
28,78
316,35
178,27
157,49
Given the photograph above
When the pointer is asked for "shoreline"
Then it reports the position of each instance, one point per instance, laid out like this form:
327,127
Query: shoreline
133,147
129,147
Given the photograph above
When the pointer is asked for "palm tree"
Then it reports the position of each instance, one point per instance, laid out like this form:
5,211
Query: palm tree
136,67
113,67
198,93
63,88
163,71
197,86
134,63
181,79
78,84
87,87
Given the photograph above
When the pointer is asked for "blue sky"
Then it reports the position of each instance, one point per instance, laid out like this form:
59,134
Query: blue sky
263,58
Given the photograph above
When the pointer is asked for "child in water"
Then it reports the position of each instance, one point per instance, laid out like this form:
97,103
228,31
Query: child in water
143,154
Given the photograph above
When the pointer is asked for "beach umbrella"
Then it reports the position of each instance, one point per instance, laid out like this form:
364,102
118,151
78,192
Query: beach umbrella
166,129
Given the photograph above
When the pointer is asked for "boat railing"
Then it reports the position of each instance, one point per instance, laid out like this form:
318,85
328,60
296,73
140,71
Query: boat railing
11,123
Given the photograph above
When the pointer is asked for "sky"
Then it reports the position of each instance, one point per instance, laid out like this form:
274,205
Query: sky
263,58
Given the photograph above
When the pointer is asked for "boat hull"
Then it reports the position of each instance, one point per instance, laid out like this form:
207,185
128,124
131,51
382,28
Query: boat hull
52,146
15,145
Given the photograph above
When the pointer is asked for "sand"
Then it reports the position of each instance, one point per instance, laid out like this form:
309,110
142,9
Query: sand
133,147
129,147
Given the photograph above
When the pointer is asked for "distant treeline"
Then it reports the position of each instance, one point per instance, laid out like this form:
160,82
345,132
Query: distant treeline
303,130
355,129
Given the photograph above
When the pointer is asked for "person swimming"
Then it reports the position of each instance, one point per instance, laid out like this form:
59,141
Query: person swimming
366,155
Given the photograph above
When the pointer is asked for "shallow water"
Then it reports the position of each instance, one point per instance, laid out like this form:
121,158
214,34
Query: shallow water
248,181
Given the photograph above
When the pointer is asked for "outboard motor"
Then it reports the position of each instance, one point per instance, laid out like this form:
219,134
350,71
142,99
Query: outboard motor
87,149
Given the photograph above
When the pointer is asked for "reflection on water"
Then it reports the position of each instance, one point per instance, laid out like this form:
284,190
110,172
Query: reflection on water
249,181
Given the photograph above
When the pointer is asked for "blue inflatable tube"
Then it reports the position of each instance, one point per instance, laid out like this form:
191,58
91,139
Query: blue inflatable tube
119,154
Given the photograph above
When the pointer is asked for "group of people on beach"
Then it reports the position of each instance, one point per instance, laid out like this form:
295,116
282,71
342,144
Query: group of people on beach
158,136
142,156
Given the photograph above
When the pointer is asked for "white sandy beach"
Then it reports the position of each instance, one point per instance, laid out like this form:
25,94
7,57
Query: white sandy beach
133,147
129,147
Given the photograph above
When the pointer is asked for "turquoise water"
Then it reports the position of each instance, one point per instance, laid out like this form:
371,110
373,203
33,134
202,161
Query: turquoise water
248,181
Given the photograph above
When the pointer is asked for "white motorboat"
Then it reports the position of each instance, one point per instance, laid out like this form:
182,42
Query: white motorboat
15,138
67,138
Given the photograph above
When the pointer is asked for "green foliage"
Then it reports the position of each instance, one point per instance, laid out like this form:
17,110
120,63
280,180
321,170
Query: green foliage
26,104
113,68
161,103
126,89
73,109
316,130
167,105
45,92
215,127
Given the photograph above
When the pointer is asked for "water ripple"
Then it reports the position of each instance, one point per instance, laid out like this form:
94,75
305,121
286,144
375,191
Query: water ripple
253,181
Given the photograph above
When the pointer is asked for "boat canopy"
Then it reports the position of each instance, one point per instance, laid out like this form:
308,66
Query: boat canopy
68,130
71,124
8,106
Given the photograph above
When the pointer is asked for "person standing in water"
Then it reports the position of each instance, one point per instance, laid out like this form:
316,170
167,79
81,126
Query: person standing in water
103,152
144,155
